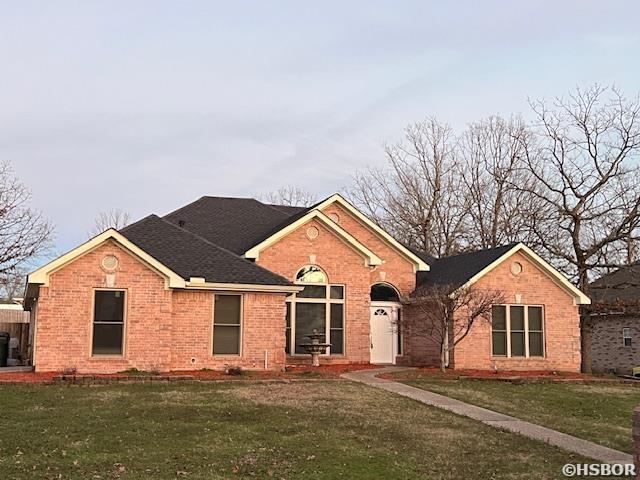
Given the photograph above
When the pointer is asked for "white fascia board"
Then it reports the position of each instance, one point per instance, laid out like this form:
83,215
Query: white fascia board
372,258
420,265
41,275
579,297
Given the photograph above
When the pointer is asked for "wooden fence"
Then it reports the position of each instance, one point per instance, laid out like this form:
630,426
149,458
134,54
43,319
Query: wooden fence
16,323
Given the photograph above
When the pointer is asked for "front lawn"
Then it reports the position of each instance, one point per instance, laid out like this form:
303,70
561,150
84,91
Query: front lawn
305,430
600,412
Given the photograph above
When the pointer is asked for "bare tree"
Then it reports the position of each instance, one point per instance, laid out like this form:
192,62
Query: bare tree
587,174
290,196
12,284
587,170
114,218
24,233
495,179
444,315
417,196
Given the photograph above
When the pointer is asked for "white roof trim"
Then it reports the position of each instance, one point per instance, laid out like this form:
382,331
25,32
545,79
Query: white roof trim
41,276
420,265
242,287
372,258
578,297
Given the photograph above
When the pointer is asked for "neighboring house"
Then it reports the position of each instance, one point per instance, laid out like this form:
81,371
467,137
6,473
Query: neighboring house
229,281
613,322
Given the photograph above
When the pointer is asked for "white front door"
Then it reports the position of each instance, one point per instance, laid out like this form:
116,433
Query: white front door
383,334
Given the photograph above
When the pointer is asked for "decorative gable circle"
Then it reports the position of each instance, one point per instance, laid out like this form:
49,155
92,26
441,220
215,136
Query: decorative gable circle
516,268
109,263
312,233
334,217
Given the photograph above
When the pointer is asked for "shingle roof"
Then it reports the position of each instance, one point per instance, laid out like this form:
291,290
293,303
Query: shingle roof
190,255
620,286
288,209
236,224
233,223
456,270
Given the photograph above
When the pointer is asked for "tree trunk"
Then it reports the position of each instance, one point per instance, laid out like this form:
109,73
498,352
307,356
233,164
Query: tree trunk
585,333
585,343
443,357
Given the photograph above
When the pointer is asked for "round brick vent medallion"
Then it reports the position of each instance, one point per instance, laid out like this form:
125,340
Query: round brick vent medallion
109,262
334,217
516,268
312,233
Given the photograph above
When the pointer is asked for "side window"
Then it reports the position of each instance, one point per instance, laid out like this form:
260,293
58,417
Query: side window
499,330
227,315
108,322
626,337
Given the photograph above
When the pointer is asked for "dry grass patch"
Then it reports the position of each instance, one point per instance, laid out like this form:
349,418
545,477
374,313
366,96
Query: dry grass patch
314,430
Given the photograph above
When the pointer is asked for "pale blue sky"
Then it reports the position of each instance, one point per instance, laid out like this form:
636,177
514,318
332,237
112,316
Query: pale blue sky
147,105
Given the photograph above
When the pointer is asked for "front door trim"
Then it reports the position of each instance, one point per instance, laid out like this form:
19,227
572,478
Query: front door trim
392,309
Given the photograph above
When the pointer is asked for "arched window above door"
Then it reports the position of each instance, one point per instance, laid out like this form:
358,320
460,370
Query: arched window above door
383,292
311,274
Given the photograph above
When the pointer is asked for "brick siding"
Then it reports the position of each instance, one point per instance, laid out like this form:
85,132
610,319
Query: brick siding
164,329
607,351
534,287
172,329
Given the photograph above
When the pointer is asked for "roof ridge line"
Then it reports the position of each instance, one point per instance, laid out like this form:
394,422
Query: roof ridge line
506,245
272,207
136,222
183,207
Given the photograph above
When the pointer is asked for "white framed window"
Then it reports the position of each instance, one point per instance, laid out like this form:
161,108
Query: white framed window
517,331
627,337
227,324
319,306
107,337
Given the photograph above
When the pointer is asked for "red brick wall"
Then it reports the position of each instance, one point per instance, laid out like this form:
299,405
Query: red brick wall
164,329
418,349
344,266
561,324
263,328
396,270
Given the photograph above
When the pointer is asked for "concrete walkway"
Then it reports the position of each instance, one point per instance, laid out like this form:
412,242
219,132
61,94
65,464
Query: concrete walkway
489,417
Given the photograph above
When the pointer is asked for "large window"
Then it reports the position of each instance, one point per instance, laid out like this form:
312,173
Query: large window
319,306
227,315
517,331
108,322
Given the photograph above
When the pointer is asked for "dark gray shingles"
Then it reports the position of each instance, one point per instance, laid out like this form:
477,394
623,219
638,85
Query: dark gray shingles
232,223
620,286
189,255
456,270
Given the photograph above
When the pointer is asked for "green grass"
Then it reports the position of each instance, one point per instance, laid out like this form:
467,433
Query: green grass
303,430
600,412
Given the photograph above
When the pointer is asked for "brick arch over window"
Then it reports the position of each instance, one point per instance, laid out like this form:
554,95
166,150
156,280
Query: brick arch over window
384,292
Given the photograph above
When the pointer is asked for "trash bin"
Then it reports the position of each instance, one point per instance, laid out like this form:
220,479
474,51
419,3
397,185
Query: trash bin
4,348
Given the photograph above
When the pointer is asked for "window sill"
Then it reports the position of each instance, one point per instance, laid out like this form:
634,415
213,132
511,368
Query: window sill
530,357
106,357
307,355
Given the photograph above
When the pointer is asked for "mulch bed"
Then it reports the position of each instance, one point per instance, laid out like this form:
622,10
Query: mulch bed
298,372
427,373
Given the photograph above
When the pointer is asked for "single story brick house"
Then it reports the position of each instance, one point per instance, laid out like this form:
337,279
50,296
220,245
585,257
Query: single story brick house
613,322
231,281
